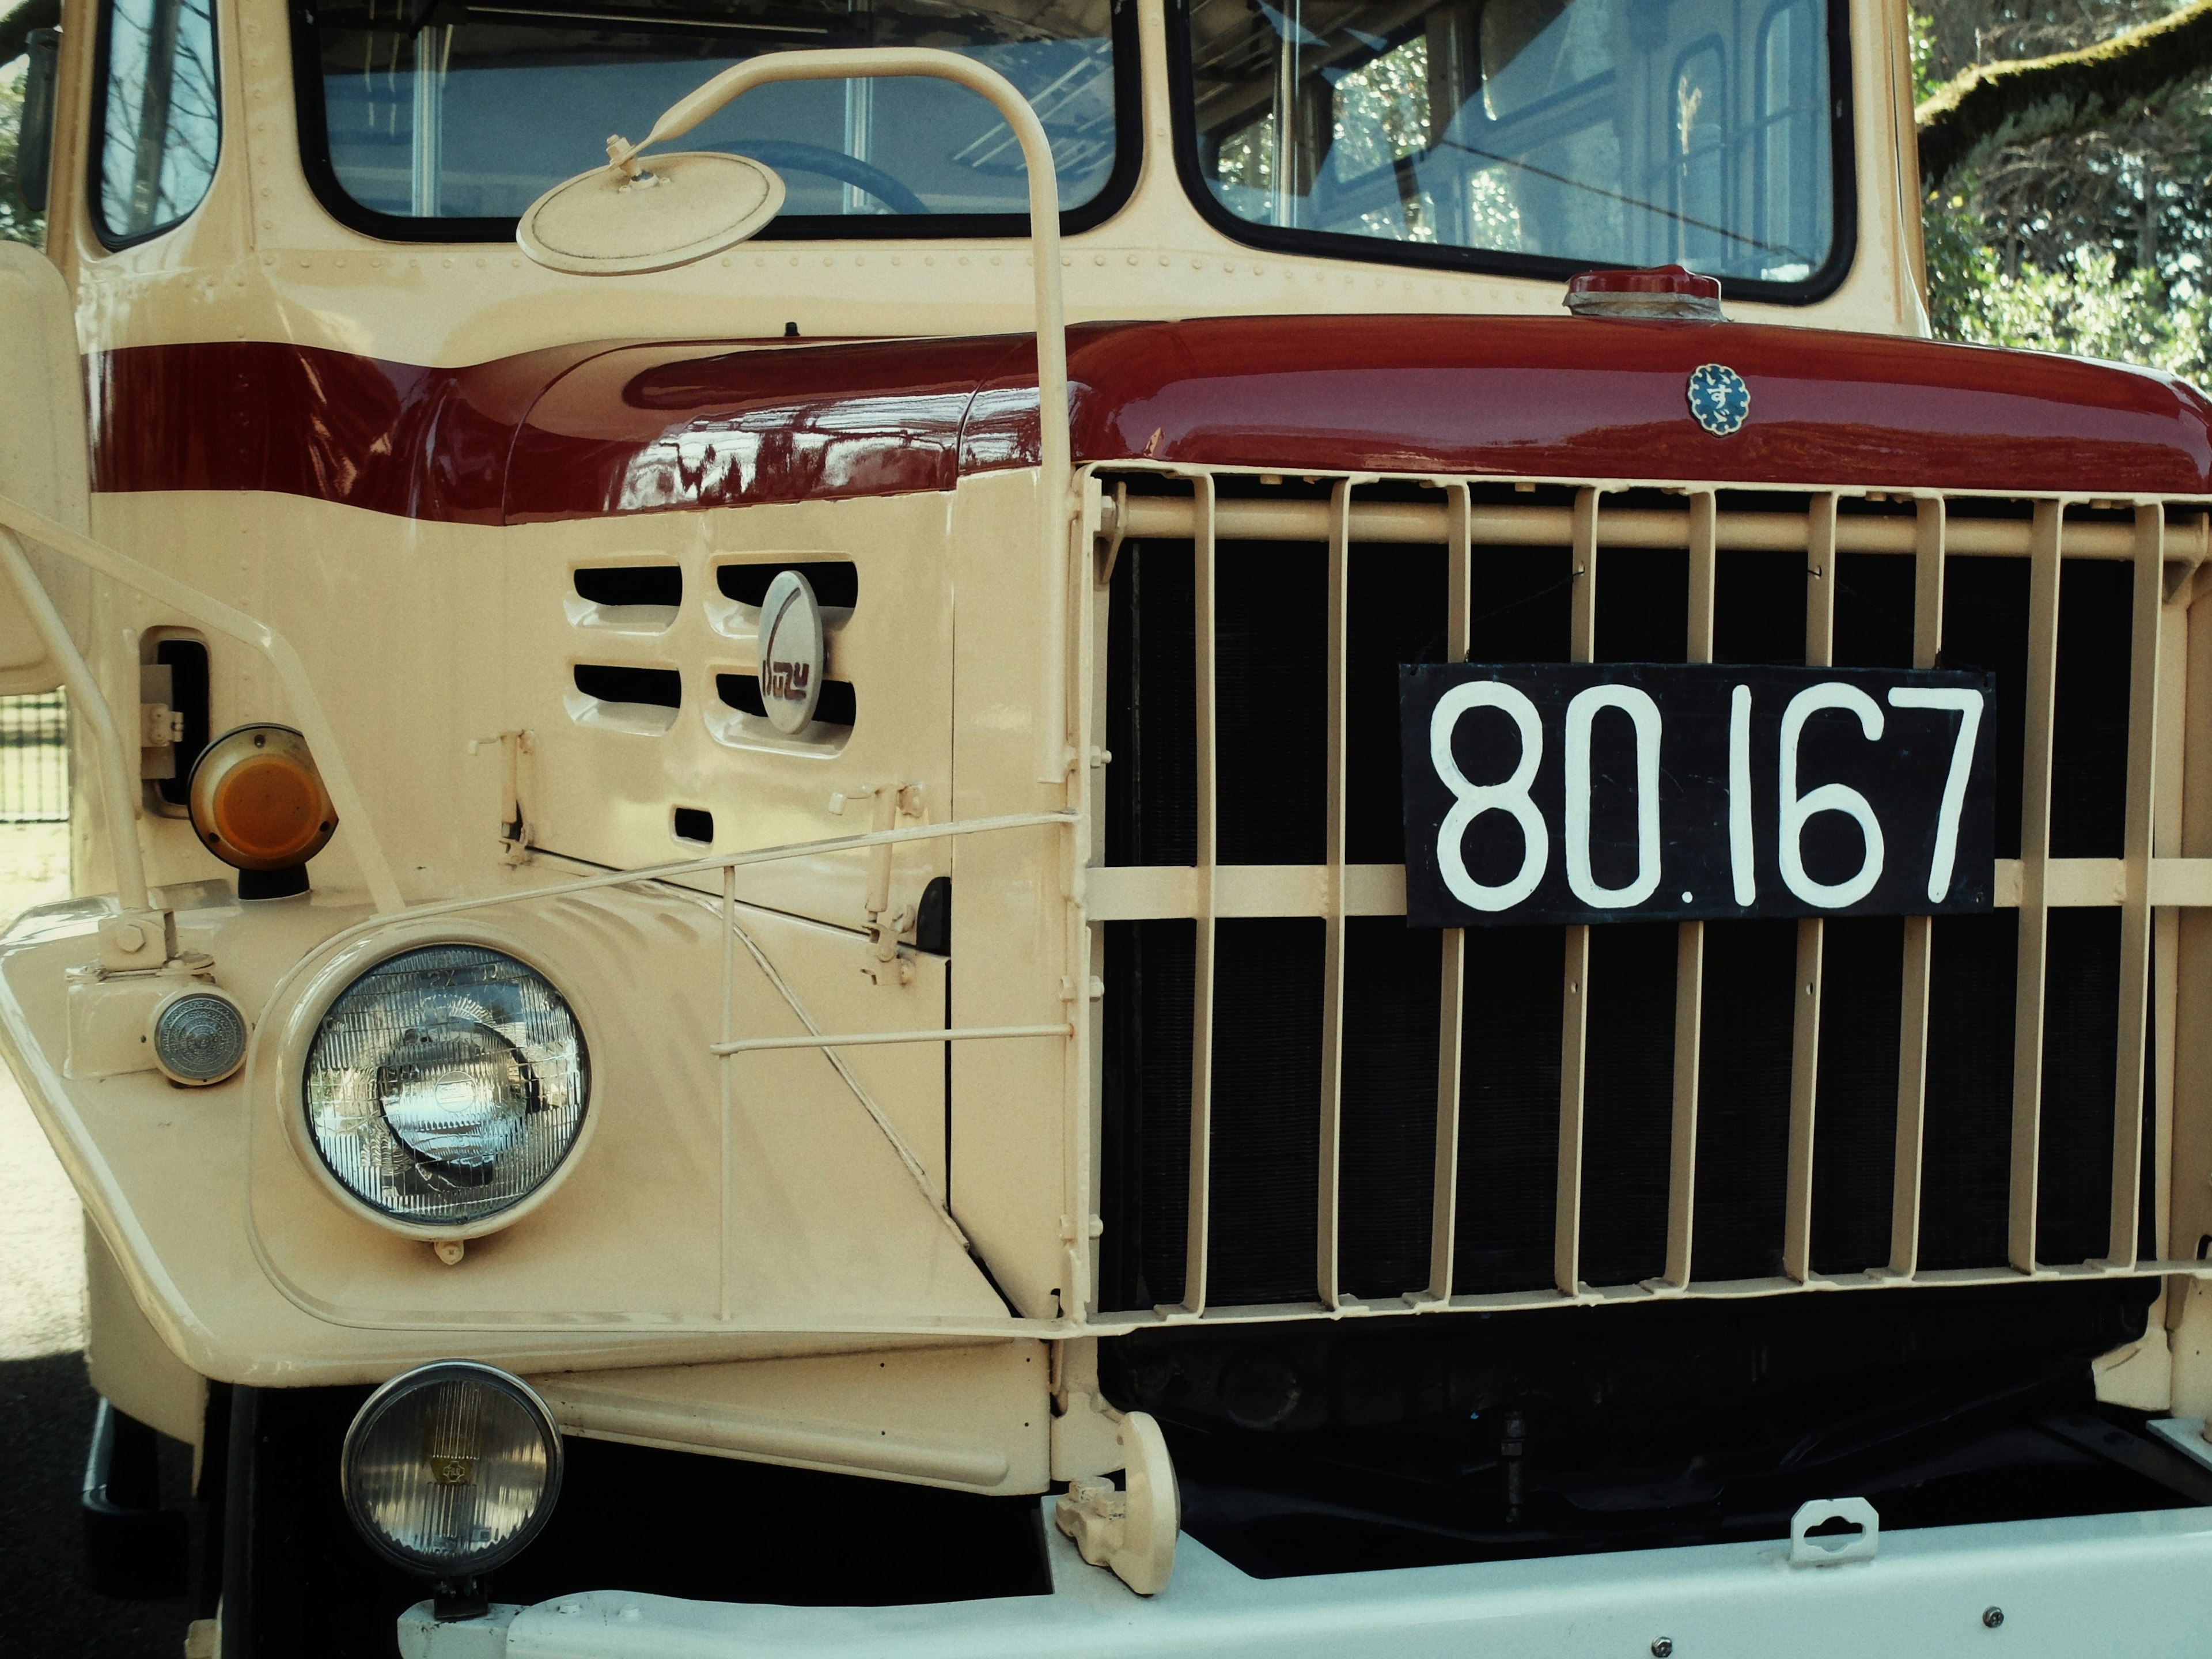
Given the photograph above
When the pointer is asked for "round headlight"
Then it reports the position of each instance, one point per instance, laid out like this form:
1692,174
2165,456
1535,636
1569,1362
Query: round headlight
447,1084
199,1036
452,1469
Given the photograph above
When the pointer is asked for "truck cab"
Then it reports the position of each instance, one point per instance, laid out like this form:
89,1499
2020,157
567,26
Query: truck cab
944,825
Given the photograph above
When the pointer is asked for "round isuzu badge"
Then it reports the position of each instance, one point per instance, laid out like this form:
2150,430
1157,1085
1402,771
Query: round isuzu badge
791,653
1719,399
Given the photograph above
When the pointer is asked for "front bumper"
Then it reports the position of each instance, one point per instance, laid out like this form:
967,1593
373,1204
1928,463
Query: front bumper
2138,1585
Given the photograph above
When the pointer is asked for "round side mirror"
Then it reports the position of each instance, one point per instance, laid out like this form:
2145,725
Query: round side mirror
686,206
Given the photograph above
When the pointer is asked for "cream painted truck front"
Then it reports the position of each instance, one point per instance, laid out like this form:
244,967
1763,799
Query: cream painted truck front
839,894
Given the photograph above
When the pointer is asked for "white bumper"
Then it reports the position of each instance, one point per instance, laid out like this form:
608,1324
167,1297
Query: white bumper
2135,1585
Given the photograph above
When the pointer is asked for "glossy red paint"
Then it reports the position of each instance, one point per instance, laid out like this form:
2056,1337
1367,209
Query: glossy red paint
421,443
588,431
652,427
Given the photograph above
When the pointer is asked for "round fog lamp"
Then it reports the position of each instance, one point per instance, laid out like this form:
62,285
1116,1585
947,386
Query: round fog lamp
447,1084
199,1036
451,1470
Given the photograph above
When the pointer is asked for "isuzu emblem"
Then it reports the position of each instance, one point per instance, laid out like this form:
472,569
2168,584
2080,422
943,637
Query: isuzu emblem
1719,399
791,652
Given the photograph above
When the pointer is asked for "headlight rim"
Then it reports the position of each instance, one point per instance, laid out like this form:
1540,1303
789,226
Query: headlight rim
422,1376
331,980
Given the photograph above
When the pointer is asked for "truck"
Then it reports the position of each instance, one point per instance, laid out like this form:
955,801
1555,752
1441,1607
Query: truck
1274,804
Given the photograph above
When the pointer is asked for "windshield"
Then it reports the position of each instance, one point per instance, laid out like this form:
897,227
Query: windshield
1623,132
456,117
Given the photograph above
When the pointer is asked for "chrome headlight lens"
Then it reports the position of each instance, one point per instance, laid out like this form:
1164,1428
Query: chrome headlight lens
452,1469
447,1084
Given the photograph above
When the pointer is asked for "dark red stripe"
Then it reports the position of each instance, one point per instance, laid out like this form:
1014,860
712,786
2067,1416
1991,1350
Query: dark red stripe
589,430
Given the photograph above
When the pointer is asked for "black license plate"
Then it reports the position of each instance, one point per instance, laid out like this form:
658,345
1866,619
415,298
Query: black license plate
1653,792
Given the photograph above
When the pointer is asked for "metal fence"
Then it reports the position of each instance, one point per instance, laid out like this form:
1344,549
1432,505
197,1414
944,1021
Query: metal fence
34,770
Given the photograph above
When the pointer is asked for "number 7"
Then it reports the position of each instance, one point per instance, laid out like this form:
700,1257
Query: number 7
1968,705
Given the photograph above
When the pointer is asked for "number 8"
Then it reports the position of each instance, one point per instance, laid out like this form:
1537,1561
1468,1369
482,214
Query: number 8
1471,800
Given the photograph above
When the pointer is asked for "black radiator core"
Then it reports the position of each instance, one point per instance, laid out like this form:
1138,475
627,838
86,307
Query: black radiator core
1271,668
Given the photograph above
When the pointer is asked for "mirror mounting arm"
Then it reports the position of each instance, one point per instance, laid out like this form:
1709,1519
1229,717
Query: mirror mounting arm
1055,448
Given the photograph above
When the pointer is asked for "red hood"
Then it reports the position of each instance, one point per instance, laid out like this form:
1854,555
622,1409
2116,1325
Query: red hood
592,430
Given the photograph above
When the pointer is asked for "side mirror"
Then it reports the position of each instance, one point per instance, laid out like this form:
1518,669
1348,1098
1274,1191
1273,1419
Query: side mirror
34,142
610,222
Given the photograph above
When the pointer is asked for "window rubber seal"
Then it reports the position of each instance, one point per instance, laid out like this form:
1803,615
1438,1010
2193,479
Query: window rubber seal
96,136
1113,195
1842,249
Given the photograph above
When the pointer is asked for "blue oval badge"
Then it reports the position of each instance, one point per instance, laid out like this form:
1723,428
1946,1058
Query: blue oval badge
1719,400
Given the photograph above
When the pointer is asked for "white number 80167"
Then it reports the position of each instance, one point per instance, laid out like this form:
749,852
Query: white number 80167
1795,811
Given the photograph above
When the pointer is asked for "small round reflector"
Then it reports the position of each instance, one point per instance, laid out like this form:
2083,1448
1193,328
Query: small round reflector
450,1470
257,801
199,1036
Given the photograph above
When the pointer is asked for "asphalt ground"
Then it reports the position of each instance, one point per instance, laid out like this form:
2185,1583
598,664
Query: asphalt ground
46,1609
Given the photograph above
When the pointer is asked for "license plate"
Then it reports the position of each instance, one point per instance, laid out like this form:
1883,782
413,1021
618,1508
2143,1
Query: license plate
1671,792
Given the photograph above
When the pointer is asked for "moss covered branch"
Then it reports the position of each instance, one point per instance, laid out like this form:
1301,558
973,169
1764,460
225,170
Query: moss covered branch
2069,92
16,27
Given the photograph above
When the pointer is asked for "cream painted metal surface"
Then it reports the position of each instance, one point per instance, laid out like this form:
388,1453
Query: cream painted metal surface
42,450
261,260
2064,1589
837,1210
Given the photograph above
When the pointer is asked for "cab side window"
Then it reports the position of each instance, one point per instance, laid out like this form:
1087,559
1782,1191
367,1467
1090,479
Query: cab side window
159,117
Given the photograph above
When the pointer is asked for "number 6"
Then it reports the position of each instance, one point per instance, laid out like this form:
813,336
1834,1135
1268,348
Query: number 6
1828,798
1471,800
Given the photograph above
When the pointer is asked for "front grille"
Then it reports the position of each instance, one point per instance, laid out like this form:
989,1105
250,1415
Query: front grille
1309,1105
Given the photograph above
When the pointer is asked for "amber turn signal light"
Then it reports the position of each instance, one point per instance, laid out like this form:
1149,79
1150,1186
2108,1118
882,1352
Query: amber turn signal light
258,802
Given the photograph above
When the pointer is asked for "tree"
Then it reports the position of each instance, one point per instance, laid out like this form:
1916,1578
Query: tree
16,27
18,221
2061,94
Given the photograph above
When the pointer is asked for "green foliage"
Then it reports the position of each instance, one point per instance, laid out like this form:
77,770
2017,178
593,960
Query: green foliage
2094,245
2087,308
17,221
1927,56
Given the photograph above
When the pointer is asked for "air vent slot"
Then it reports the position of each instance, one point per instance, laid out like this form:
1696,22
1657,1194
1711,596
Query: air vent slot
836,706
640,701
631,598
632,584
835,582
693,824
661,687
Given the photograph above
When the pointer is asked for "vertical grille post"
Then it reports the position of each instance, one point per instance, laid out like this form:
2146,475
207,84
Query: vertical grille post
1327,1254
1201,1021
1574,1006
2147,601
1930,520
1812,931
1451,1032
1689,936
2035,878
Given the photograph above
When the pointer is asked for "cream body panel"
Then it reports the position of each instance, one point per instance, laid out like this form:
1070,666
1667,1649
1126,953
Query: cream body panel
631,1238
42,449
230,1246
1009,1128
398,622
262,260
597,791
976,1417
130,1365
